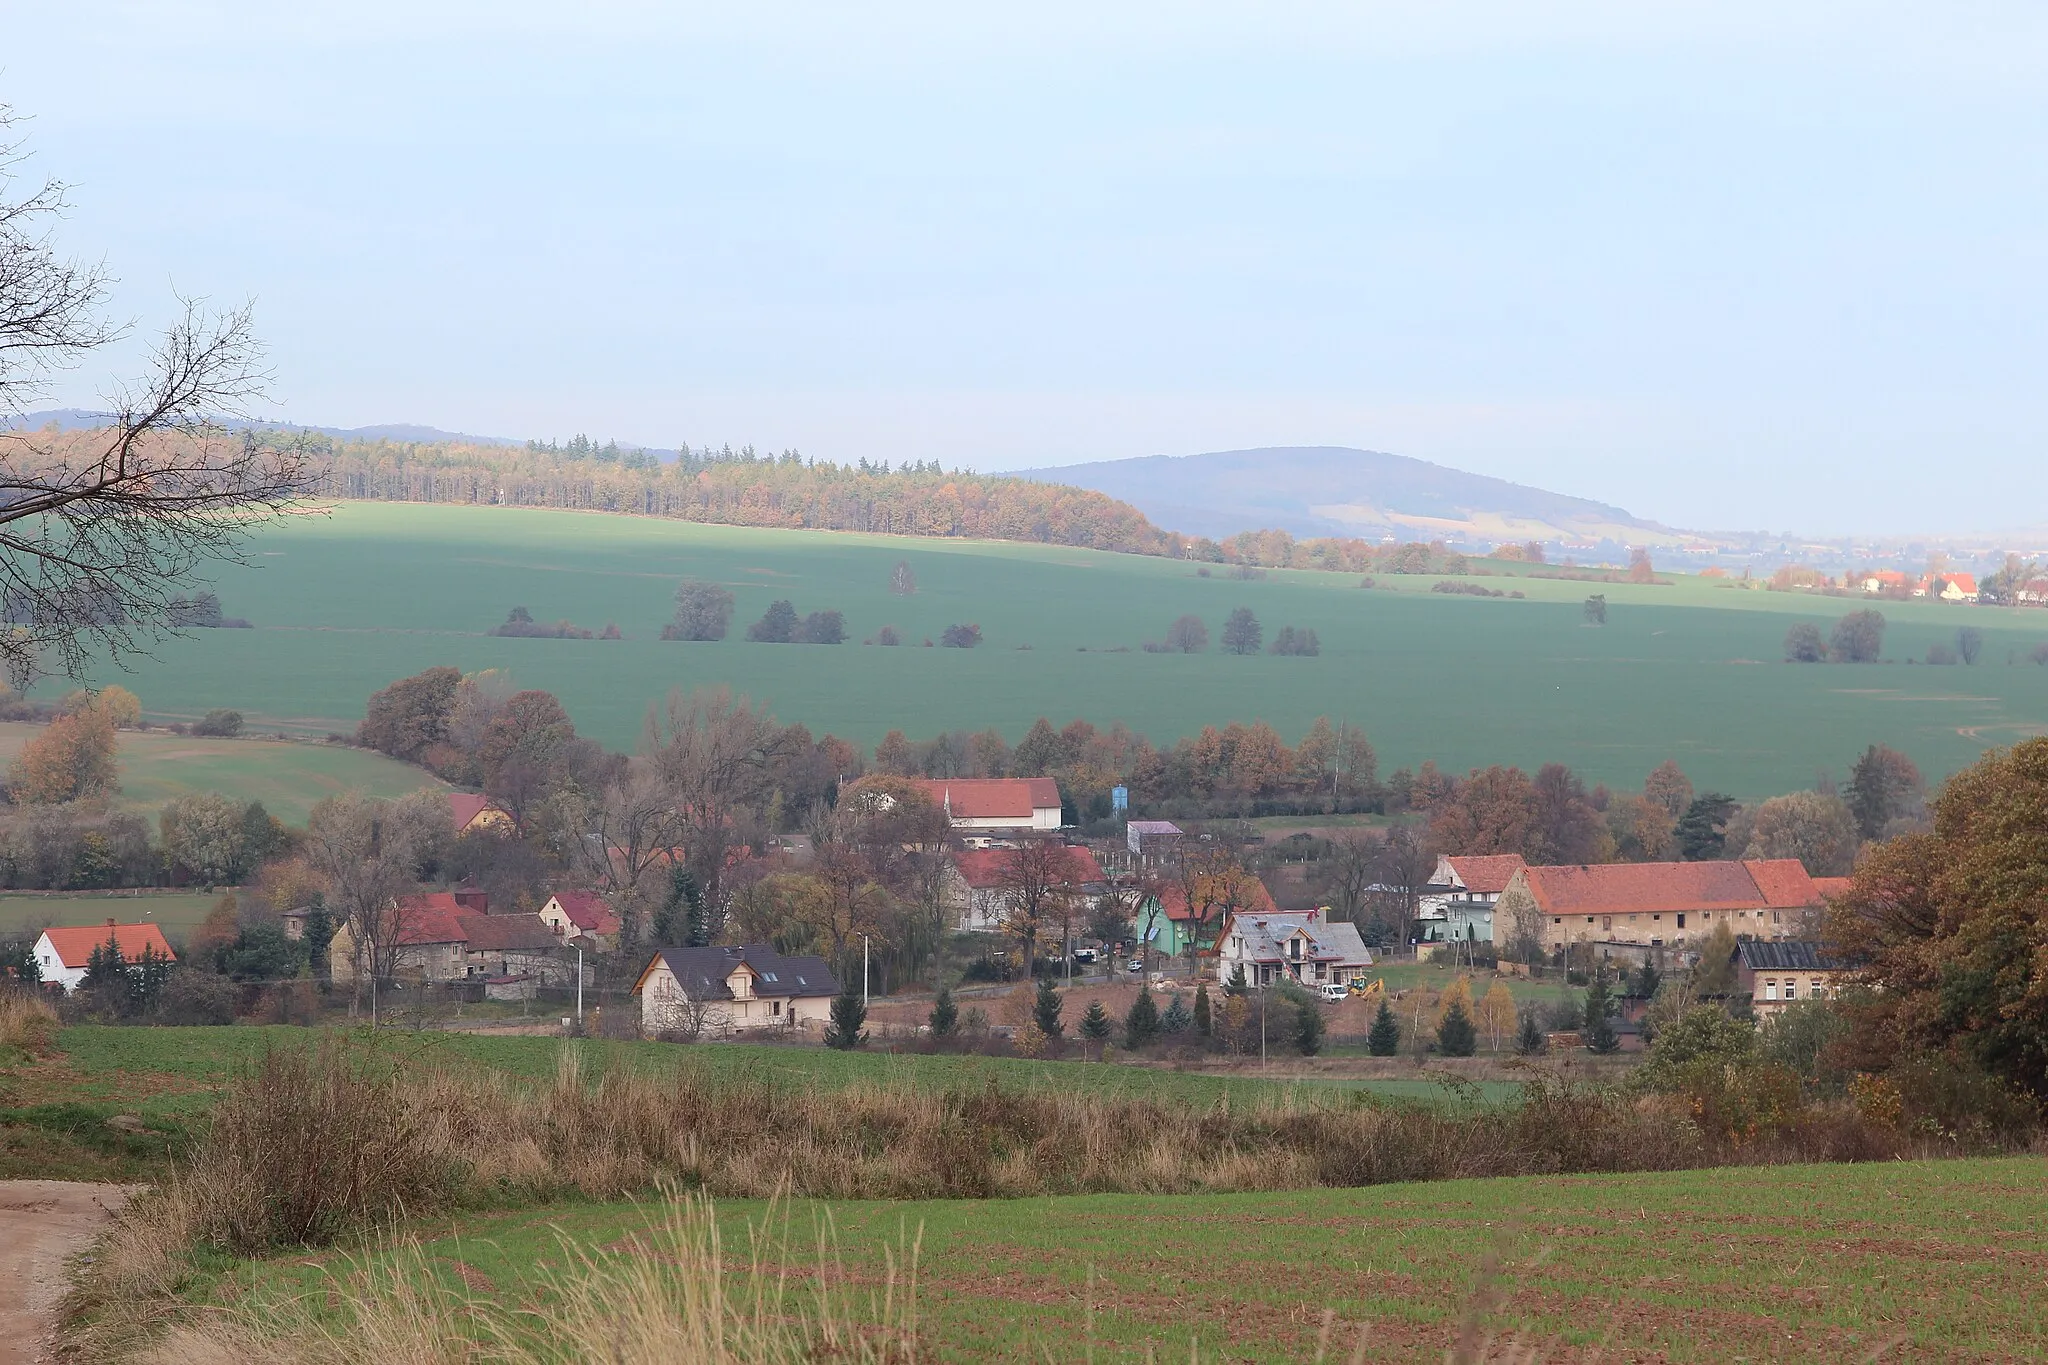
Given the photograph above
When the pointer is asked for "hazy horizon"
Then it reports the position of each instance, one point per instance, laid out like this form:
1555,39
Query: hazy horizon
1719,265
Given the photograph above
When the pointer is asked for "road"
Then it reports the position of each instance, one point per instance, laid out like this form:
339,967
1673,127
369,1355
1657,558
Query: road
43,1223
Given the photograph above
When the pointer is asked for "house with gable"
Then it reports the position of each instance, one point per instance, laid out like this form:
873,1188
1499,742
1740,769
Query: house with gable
718,992
1458,901
1774,975
1307,947
582,915
63,954
984,810
472,813
981,889
445,936
1631,910
1165,925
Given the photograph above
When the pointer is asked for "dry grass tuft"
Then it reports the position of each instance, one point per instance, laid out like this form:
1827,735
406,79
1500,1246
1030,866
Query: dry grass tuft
674,1298
28,1022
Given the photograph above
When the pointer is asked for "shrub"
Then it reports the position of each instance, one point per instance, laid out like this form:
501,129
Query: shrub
1308,1027
1301,643
703,612
888,635
1095,1025
945,1015
27,1022
1141,1025
220,724
190,996
821,628
849,1016
960,636
520,625
1804,645
1045,1010
1858,638
1530,1041
1940,654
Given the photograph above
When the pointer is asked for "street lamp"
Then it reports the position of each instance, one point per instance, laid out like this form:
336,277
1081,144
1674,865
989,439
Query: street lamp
863,971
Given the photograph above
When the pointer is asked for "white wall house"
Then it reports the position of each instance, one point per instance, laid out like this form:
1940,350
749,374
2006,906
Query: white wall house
63,954
717,992
989,808
1305,946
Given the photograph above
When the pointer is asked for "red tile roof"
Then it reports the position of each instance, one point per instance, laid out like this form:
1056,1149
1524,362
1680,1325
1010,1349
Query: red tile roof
982,868
993,798
588,911
430,917
508,933
1614,888
1173,901
1487,875
465,807
74,944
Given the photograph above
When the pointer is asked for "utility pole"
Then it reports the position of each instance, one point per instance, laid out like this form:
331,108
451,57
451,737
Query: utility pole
579,987
863,971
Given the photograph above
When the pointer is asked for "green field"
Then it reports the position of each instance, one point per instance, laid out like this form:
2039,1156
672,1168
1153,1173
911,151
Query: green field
287,777
176,912
1691,671
1904,1261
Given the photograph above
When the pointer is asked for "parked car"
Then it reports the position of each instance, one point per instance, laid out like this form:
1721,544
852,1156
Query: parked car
1336,992
1084,954
1136,965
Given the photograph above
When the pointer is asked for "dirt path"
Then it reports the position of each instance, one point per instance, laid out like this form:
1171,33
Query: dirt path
42,1224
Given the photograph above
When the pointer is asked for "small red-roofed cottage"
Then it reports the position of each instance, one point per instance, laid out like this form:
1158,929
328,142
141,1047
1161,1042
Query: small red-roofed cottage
987,808
472,813
434,936
582,915
63,954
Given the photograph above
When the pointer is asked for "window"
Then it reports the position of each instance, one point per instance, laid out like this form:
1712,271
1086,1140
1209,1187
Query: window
1655,918
776,1007
1813,991
1607,921
1681,921
1770,990
1557,919
1791,990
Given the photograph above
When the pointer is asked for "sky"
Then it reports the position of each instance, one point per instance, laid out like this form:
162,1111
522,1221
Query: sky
1729,265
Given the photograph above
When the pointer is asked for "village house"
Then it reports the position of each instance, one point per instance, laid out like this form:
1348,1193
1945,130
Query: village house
472,813
981,885
986,810
1165,925
1307,947
585,915
1458,902
722,991
2034,590
1626,910
1947,587
63,954
1153,843
1886,581
1775,975
438,939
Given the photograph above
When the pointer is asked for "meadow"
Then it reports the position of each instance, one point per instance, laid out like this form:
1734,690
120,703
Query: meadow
176,912
1885,1261
288,777
1690,670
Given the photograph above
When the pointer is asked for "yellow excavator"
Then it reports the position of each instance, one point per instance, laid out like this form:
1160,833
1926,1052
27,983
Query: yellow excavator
1366,990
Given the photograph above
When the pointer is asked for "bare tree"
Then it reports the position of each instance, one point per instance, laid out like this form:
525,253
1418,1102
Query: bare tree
368,851
1405,864
1036,878
98,528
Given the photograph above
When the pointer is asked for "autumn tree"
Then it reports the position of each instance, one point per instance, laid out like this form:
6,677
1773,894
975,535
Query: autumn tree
1038,879
902,579
368,852
1187,635
1595,609
1858,638
1564,825
1493,812
777,626
411,714
205,834
703,612
1496,1014
1948,925
1241,632
1883,785
1639,570
72,759
1813,827
1668,788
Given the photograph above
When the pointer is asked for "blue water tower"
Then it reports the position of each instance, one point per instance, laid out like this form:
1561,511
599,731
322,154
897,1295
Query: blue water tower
1120,799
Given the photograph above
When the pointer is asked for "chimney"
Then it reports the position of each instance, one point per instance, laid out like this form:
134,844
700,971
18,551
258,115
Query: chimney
110,922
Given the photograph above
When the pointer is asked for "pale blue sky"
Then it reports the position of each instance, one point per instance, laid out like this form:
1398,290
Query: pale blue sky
1726,264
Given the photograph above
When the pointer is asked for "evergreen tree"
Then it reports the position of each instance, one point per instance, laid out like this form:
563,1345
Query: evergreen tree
1237,984
1204,1021
319,934
105,965
1702,831
1045,1011
679,921
1647,980
1456,1034
147,976
1141,1025
1385,1038
18,964
1095,1023
1176,1018
1530,1042
945,1015
1308,1027
849,1016
1600,1035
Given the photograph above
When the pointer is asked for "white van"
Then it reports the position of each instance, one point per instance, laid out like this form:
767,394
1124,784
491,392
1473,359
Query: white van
1336,992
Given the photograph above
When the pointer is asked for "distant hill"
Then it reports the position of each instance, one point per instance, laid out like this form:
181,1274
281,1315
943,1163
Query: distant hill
79,419
1334,490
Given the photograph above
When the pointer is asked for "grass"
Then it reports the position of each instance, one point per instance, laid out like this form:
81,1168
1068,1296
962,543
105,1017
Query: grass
1690,670
288,778
1894,1261
177,912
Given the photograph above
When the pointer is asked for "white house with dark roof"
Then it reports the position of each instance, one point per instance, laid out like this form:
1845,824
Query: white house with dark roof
742,989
